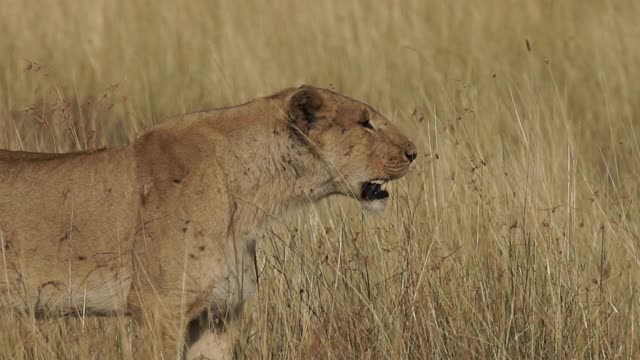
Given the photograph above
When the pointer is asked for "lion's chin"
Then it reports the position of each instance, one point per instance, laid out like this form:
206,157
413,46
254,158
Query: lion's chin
374,196
375,207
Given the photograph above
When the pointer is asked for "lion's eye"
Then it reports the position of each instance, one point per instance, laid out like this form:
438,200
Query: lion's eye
366,124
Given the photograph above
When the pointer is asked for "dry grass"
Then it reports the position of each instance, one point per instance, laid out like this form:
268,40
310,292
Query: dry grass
518,233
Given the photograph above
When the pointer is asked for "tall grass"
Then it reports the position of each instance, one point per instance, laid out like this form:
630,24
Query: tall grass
517,234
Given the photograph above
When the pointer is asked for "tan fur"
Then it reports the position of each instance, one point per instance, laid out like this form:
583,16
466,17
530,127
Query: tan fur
163,229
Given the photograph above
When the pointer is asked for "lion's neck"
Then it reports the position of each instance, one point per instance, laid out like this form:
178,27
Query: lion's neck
269,173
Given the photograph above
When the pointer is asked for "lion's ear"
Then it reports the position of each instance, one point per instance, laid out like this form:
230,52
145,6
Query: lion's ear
304,106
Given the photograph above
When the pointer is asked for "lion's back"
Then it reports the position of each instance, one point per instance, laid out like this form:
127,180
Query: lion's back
47,194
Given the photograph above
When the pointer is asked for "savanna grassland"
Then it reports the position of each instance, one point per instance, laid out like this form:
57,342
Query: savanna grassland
517,235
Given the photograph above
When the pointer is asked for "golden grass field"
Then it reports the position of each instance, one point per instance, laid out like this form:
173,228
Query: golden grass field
517,234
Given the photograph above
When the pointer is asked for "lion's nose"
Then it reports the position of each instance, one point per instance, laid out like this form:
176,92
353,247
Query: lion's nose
411,153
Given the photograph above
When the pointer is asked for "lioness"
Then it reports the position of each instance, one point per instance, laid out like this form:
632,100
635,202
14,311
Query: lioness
163,228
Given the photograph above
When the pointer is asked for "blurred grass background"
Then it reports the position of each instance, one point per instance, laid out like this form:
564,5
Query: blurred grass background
516,235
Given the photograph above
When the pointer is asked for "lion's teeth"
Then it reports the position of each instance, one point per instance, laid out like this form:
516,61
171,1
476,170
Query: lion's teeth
379,182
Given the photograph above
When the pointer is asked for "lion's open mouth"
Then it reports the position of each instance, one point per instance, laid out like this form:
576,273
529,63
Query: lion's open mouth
374,190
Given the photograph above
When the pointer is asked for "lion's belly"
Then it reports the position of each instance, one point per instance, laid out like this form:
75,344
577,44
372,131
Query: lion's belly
86,290
62,265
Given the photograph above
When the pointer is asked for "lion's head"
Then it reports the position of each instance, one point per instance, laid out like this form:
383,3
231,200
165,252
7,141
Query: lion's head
362,149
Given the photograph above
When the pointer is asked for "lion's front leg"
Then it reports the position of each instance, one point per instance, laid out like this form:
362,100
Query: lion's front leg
211,336
161,332
163,340
212,345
